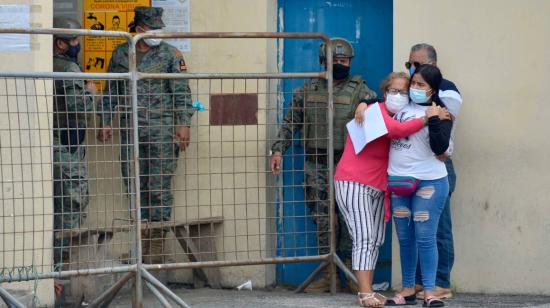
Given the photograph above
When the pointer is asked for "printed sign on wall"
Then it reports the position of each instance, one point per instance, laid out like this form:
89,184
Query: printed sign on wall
109,15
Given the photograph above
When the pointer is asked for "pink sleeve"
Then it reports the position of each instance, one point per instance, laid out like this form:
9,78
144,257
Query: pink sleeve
397,129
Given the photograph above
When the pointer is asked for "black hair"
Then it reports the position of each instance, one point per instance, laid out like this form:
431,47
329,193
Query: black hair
433,77
116,16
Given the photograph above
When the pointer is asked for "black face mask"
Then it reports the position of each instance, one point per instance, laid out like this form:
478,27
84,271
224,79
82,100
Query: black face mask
72,52
340,71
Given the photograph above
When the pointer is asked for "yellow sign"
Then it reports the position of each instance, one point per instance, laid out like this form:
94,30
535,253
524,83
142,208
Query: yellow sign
110,15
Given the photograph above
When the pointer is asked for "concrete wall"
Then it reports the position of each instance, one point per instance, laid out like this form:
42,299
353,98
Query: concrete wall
25,168
497,52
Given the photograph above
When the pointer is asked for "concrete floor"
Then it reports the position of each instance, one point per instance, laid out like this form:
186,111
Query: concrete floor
284,298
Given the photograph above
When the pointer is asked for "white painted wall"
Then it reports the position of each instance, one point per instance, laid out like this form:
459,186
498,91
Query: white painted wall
498,54
25,167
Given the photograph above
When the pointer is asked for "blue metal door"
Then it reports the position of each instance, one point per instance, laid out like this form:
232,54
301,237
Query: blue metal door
368,24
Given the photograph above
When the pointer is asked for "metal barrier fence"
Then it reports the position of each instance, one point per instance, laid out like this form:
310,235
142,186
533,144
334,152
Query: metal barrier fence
207,204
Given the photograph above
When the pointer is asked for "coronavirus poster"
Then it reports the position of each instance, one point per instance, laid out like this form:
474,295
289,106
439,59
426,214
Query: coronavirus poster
106,15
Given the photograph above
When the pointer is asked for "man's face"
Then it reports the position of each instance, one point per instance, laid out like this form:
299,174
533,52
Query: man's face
341,60
116,22
141,28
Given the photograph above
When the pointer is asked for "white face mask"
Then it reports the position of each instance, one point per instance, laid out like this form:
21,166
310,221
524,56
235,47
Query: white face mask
152,42
396,102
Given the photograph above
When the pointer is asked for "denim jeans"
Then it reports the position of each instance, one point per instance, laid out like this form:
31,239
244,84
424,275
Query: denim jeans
445,243
416,220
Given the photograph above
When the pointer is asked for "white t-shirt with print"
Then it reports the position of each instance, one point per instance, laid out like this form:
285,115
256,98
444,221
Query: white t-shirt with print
412,156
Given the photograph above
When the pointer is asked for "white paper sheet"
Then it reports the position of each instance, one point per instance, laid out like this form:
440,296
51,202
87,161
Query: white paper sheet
15,16
373,127
176,19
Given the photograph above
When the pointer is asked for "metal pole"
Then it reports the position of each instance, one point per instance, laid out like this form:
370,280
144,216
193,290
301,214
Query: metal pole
136,205
163,301
310,278
332,212
344,269
9,299
107,296
150,278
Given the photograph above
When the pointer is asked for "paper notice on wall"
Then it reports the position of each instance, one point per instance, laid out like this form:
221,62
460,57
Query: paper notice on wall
176,18
15,16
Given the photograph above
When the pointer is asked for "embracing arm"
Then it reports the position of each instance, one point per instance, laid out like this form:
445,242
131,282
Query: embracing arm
440,134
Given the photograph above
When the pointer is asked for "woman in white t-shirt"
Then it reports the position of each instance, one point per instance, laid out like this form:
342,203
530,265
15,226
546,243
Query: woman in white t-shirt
417,208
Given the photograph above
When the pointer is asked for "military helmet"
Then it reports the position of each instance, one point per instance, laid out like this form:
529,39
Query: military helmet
150,16
340,48
65,23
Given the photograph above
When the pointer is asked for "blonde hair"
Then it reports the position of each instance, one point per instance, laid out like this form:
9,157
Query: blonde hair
384,86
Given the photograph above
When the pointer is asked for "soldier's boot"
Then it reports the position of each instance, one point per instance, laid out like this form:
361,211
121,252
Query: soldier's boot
351,287
155,250
321,285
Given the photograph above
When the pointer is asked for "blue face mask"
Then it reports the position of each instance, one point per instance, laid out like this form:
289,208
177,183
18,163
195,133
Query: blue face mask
73,51
411,70
418,96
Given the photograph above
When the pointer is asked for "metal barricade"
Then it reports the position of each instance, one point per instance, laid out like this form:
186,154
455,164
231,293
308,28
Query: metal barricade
220,207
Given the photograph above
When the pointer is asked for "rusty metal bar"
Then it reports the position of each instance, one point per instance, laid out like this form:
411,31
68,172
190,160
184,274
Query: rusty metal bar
163,301
77,32
71,273
311,277
107,296
9,299
275,35
344,269
231,75
157,284
204,264
65,75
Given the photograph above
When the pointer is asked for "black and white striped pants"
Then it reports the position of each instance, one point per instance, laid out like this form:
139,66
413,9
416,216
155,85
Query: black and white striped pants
363,209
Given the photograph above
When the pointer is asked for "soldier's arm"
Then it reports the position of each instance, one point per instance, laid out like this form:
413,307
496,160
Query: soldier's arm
76,96
114,90
183,106
293,122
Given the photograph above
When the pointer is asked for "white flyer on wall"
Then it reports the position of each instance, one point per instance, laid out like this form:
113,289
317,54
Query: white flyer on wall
15,16
176,18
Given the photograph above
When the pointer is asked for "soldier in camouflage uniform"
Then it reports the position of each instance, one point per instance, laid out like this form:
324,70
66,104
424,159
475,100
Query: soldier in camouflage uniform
164,115
308,112
72,100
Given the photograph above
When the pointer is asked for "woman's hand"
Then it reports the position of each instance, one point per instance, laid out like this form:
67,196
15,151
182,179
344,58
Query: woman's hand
444,114
359,113
433,110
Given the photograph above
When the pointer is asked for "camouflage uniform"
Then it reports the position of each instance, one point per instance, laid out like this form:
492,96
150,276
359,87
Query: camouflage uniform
163,105
70,171
308,111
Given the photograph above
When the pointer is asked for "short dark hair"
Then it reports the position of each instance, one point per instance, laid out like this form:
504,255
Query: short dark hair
433,77
116,16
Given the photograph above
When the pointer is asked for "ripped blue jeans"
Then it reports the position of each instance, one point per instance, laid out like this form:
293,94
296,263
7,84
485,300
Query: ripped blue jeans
416,219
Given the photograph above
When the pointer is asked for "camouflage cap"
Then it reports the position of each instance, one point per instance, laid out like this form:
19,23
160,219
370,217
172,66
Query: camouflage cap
150,16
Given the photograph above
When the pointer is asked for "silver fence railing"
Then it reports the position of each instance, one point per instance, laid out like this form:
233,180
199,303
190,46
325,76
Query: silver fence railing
213,204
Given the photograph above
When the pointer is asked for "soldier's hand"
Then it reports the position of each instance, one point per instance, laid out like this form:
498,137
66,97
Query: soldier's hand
91,87
182,137
359,113
275,162
105,133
